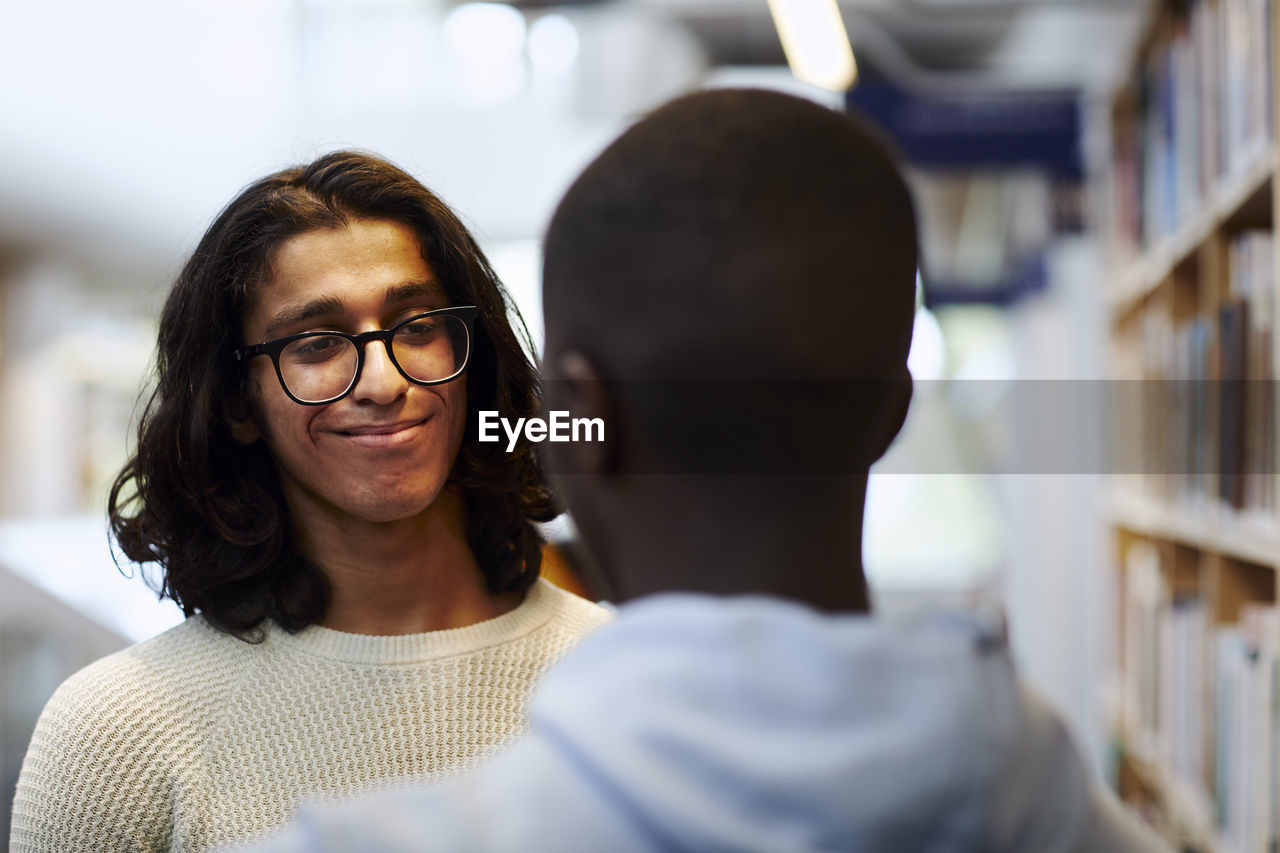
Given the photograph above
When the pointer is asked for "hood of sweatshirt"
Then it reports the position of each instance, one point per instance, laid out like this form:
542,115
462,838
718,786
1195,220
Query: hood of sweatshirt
760,724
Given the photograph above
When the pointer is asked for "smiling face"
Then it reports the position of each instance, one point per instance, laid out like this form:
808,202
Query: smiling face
384,452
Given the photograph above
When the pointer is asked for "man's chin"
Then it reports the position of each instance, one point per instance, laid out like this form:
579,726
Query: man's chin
386,507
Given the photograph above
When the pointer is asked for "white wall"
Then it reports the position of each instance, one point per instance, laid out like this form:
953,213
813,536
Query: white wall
1057,548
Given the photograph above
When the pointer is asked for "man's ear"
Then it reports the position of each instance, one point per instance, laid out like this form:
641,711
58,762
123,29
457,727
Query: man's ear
579,388
897,416
236,415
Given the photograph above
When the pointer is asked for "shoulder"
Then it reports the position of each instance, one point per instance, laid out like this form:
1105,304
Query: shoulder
678,636
112,739
160,686
569,611
188,659
1040,794
574,605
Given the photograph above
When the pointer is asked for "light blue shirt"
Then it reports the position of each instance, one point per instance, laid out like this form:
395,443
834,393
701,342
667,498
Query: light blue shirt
702,723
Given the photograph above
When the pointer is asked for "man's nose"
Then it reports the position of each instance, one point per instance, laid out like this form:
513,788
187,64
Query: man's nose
380,380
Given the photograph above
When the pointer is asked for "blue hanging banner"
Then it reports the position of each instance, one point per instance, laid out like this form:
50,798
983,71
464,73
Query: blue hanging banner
1002,130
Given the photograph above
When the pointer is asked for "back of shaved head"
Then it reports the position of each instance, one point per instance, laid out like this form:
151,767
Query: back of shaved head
736,234
756,252
739,269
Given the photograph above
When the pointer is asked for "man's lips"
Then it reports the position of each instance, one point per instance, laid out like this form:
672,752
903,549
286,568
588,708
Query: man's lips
380,429
381,435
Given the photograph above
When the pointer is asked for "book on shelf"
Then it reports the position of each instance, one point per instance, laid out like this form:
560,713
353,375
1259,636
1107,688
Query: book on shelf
1165,663
1178,418
1233,327
1144,592
1247,729
1157,445
1252,280
1200,343
1169,428
1183,626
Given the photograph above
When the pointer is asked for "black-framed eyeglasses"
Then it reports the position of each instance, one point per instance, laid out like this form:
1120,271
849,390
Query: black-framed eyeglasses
316,368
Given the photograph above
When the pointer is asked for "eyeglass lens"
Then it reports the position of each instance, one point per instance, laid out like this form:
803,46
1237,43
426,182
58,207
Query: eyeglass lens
321,367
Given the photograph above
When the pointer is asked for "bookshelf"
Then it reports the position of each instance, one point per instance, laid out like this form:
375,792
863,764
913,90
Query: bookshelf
1192,700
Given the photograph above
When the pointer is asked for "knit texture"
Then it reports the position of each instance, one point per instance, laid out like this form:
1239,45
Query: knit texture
196,739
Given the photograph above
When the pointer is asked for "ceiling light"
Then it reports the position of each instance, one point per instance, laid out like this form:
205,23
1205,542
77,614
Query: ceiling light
815,41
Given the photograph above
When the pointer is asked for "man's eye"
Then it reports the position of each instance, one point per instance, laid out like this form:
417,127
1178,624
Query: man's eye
317,348
419,327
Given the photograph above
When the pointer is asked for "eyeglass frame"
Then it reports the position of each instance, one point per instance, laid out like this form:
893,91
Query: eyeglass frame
466,313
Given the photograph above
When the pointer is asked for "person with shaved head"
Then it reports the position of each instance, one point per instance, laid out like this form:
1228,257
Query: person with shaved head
730,288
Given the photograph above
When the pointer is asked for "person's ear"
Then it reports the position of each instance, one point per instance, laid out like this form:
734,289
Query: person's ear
904,389
239,421
579,388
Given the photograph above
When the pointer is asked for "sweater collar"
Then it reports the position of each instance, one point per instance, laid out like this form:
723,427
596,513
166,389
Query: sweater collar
538,606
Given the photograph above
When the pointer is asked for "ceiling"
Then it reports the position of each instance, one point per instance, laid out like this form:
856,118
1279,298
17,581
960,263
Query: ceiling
1002,39
128,125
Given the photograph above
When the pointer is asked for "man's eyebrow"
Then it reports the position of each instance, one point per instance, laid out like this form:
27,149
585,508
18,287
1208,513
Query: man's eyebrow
298,313
412,290
332,305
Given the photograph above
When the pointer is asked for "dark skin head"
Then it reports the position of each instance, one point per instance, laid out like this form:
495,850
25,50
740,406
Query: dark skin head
731,287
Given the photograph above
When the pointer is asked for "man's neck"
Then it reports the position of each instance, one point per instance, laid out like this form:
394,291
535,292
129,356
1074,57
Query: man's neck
798,538
401,577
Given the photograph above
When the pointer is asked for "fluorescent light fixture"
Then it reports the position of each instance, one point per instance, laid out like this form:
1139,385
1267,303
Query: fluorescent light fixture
553,43
485,32
815,41
485,43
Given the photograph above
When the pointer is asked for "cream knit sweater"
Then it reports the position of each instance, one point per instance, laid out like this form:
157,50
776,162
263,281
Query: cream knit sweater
196,739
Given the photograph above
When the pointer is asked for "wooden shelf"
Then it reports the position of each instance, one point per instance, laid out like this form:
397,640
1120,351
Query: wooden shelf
1188,805
1249,537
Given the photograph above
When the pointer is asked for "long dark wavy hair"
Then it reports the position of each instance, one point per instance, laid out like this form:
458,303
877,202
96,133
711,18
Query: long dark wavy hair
209,510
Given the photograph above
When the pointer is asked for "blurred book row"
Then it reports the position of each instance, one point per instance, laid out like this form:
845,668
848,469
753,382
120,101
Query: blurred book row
1199,111
1200,695
1203,424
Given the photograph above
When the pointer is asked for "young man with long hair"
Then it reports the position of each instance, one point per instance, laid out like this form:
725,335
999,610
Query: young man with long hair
360,573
